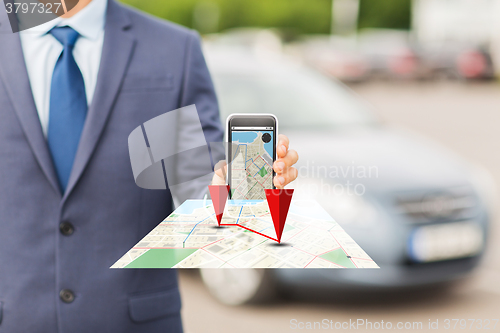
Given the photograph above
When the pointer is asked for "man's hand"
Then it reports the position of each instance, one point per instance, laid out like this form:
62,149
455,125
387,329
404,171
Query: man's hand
283,166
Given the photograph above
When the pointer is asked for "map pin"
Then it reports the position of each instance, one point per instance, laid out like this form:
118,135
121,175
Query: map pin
219,197
279,203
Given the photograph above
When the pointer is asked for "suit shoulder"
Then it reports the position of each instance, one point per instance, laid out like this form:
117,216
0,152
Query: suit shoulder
151,24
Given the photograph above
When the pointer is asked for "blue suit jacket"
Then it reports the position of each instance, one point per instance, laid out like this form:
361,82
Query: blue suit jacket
148,67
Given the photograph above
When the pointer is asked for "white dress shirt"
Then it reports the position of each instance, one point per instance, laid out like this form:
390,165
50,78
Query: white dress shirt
41,52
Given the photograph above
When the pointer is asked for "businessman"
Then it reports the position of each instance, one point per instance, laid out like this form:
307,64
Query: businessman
71,91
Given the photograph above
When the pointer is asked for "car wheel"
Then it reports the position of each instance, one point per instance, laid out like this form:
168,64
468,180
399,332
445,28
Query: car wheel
239,286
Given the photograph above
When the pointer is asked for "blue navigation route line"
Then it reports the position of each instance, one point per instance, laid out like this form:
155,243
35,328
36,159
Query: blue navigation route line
199,223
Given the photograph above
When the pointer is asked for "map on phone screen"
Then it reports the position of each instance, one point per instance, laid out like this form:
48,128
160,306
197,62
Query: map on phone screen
251,167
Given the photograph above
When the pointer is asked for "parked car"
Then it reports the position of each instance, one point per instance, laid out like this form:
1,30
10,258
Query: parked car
457,60
421,212
334,55
392,54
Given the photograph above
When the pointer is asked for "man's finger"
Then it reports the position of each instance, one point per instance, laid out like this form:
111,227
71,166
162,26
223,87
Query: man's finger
285,178
282,164
220,173
283,144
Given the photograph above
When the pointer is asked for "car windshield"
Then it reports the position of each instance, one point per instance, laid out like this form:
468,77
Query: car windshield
300,98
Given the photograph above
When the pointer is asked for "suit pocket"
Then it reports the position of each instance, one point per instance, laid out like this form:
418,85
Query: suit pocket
151,306
144,83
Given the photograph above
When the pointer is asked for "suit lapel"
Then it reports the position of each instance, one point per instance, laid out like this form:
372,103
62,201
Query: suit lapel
117,51
15,77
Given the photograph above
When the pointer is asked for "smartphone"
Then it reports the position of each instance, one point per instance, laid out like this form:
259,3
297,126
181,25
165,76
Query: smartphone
250,154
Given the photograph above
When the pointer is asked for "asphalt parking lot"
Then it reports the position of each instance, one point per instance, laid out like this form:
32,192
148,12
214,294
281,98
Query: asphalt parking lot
462,116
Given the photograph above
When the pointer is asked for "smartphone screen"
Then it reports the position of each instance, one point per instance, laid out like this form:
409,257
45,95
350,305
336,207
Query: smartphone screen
252,155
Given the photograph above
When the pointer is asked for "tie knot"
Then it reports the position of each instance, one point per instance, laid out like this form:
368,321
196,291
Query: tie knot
65,35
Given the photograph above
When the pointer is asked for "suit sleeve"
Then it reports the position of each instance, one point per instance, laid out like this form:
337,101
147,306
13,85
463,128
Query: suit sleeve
197,89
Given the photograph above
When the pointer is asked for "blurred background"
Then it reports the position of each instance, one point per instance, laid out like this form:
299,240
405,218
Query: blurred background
407,89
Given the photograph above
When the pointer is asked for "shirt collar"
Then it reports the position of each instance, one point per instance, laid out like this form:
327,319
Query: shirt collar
89,22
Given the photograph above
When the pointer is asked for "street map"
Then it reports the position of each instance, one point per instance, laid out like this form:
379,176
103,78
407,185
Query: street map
251,168
190,238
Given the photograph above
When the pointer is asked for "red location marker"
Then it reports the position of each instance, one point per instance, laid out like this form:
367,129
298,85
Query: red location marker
219,197
279,203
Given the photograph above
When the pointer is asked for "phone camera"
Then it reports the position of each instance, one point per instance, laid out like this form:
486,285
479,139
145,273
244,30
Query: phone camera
266,137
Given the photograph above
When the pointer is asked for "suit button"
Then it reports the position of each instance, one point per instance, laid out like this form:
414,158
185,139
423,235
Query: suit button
67,296
66,228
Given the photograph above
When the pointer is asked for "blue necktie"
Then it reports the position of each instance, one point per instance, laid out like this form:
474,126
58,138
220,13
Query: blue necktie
68,106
